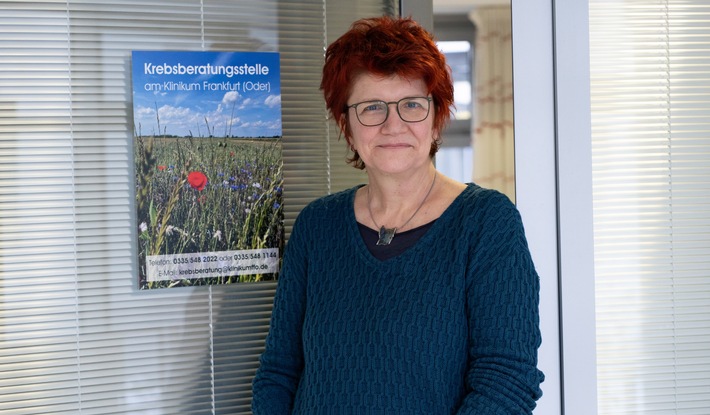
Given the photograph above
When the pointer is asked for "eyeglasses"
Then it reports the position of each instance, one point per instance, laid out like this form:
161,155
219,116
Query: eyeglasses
410,109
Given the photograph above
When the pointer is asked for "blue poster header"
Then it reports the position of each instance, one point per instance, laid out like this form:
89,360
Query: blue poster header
233,94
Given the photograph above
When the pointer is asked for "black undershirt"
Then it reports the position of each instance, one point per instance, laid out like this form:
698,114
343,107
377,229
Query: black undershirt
400,243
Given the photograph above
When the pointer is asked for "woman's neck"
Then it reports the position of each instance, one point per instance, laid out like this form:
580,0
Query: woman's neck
394,202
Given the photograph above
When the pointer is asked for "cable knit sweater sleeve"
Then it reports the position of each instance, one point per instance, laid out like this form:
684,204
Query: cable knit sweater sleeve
276,381
503,296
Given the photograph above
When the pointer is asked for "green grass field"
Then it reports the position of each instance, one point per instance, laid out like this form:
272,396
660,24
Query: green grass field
207,195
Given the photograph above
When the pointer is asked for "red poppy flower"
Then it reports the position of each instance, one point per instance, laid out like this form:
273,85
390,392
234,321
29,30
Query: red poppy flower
197,180
161,167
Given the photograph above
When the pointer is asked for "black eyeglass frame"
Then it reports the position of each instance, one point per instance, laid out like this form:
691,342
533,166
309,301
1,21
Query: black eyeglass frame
387,113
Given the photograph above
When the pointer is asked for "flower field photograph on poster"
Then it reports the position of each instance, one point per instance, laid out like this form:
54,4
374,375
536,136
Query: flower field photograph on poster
208,167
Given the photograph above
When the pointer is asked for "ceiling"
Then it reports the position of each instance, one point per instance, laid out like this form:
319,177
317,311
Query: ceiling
463,6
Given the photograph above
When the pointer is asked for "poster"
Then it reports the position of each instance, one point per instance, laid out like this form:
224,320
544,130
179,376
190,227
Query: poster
208,167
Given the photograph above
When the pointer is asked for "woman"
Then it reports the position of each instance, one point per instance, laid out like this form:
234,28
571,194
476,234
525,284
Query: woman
413,294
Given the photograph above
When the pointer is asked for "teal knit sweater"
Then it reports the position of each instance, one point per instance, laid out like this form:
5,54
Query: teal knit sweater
448,327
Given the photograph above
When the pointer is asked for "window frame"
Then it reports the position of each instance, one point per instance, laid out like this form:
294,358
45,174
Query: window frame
553,191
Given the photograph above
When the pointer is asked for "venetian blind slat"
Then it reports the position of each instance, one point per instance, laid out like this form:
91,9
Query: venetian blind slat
649,73
78,336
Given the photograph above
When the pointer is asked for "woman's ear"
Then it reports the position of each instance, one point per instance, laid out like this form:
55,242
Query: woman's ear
350,143
344,127
343,123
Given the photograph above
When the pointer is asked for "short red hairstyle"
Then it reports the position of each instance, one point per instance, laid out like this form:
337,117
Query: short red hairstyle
386,46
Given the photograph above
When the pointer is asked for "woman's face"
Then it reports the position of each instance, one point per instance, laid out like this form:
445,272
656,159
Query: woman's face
395,146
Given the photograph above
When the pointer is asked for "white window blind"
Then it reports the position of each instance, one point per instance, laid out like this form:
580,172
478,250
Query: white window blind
76,335
650,87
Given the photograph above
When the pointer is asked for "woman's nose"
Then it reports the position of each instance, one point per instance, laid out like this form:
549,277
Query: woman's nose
394,122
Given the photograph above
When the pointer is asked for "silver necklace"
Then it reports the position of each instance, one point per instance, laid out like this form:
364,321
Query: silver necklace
386,234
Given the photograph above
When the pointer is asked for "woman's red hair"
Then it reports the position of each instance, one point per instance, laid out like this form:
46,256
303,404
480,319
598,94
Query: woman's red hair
386,46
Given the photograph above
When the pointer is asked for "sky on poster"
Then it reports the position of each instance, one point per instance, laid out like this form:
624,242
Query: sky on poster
202,94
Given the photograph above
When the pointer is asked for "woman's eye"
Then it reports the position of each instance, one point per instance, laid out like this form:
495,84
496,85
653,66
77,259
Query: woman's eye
411,105
373,107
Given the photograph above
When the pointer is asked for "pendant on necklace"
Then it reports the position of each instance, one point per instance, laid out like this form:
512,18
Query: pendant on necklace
386,235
